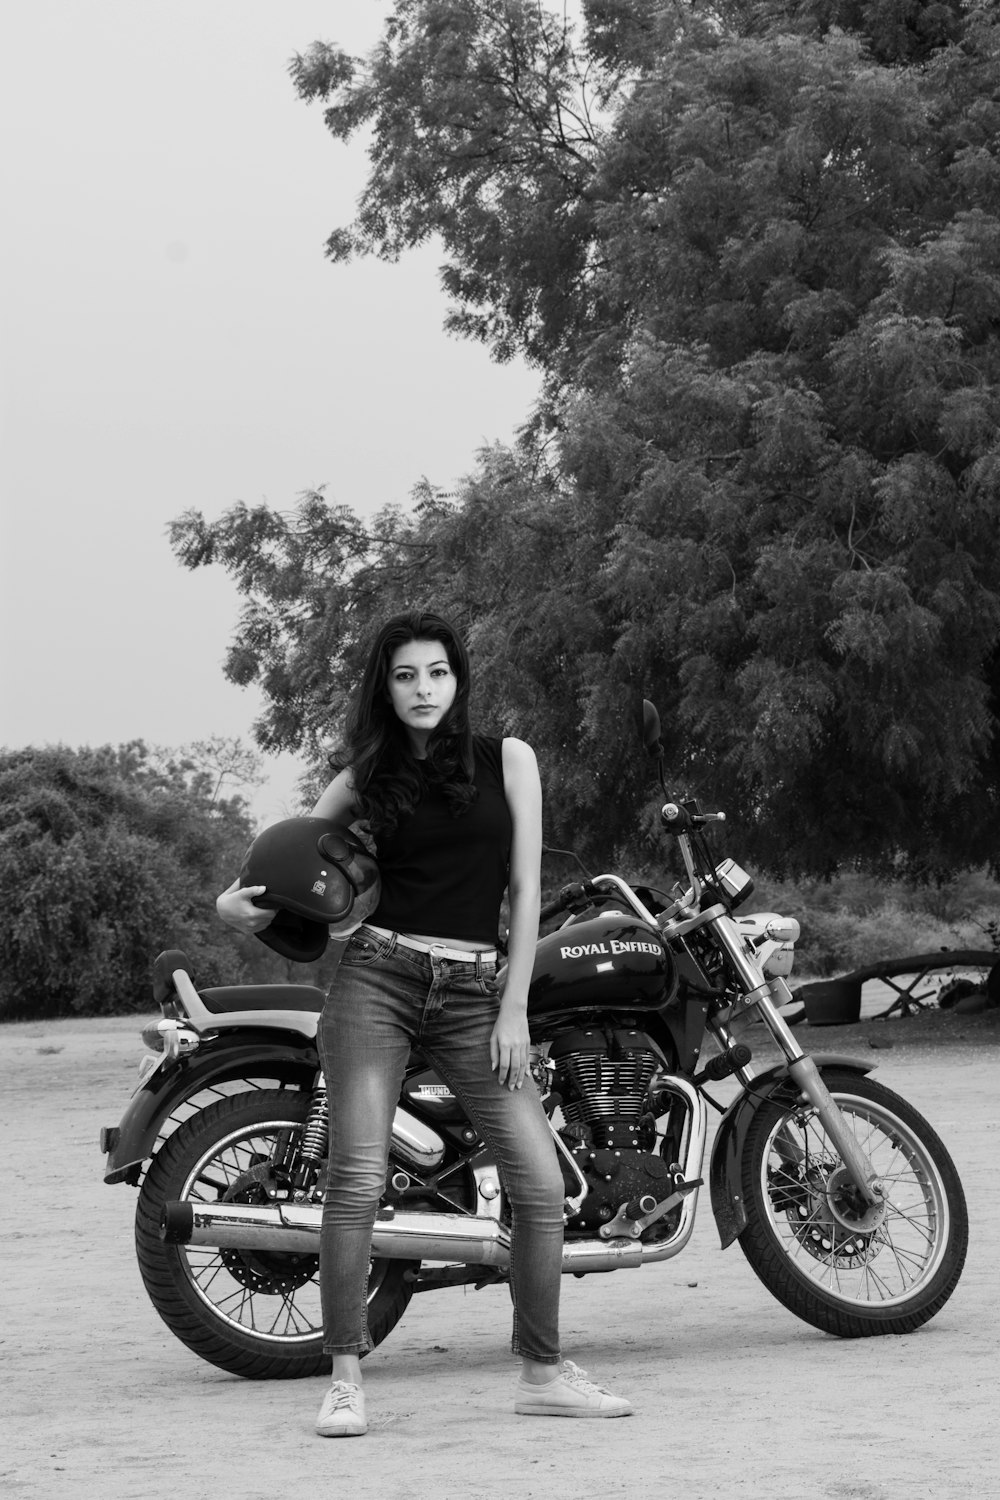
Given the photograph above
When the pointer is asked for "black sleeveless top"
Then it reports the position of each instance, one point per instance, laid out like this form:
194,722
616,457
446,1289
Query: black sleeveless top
445,876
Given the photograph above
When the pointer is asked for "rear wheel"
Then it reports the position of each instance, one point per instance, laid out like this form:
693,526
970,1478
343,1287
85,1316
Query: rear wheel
253,1312
834,1261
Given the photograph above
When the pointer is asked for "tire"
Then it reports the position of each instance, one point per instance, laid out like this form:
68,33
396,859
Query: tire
252,1313
856,1278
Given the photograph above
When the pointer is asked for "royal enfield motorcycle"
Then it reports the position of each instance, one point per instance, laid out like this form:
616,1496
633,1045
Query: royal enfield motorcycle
841,1196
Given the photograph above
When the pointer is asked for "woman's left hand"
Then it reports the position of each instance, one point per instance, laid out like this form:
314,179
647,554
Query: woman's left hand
509,1045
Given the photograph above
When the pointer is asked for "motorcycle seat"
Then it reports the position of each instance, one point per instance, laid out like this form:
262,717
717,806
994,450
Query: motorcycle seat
222,999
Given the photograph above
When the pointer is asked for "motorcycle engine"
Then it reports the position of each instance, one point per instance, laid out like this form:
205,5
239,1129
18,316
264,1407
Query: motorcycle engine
602,1077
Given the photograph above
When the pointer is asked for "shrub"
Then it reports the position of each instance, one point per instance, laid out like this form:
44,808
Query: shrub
108,856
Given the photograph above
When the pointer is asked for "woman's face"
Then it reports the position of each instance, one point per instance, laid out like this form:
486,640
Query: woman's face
421,686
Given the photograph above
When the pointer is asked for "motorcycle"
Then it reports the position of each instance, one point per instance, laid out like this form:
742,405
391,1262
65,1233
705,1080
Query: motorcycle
841,1196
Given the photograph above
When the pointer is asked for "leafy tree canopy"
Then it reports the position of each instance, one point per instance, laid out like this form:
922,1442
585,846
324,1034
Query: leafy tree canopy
755,251
108,856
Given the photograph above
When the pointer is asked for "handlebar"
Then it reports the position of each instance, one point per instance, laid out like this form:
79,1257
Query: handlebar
579,893
679,818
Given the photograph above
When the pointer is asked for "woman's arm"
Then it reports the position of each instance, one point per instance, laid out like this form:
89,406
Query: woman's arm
337,802
509,1043
235,905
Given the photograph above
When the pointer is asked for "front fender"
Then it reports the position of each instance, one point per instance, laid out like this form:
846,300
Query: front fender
725,1177
217,1060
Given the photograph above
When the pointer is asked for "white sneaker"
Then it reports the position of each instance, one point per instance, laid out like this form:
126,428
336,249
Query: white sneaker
570,1394
343,1411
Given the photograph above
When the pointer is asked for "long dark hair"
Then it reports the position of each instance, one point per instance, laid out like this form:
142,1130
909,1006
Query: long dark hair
388,779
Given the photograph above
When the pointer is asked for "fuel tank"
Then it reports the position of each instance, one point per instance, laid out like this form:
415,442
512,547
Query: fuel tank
611,960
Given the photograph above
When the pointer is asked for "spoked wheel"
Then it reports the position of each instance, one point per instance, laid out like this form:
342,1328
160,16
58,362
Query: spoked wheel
253,1312
833,1260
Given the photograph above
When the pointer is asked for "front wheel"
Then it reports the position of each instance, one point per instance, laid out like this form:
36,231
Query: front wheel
253,1312
846,1268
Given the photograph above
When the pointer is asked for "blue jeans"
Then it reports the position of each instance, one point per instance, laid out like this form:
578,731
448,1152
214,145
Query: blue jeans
384,999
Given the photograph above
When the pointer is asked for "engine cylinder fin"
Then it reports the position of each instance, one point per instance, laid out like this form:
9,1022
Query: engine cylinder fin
606,1088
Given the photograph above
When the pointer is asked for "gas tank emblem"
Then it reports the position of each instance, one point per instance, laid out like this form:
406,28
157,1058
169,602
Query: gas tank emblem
616,946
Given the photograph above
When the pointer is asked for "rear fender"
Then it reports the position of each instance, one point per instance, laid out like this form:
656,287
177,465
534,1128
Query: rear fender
725,1176
218,1060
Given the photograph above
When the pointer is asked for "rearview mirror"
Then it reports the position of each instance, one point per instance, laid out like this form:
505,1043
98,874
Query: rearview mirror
651,729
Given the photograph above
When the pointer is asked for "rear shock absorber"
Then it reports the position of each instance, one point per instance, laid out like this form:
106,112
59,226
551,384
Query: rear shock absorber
315,1137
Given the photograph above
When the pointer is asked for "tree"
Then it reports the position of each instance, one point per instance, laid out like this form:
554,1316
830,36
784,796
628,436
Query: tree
756,252
108,856
482,133
221,759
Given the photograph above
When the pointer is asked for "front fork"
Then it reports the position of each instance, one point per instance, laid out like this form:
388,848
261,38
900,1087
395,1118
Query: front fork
801,1067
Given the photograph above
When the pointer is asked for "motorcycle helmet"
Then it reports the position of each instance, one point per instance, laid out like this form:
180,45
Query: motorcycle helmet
321,879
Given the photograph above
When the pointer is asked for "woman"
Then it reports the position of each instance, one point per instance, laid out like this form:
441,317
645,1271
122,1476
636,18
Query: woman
457,820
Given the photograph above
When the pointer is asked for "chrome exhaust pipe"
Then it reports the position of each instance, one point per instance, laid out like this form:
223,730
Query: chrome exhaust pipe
404,1236
445,1237
296,1227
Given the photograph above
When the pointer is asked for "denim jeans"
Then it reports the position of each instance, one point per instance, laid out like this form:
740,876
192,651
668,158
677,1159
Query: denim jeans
384,999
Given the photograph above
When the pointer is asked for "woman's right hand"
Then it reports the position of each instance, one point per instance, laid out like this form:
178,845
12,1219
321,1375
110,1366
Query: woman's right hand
235,907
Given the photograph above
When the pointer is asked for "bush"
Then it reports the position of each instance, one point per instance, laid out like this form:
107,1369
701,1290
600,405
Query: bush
108,856
857,920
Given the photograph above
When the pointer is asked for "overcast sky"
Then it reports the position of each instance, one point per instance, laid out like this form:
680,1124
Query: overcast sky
173,337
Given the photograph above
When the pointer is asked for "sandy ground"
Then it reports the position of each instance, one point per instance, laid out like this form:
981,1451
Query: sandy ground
734,1396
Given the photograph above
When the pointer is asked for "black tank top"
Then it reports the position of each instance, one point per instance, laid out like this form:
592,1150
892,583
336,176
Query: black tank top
445,876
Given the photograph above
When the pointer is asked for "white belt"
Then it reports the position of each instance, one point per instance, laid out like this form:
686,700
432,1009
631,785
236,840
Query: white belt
437,950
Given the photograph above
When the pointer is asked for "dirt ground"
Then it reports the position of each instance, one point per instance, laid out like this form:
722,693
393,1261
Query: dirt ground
733,1396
